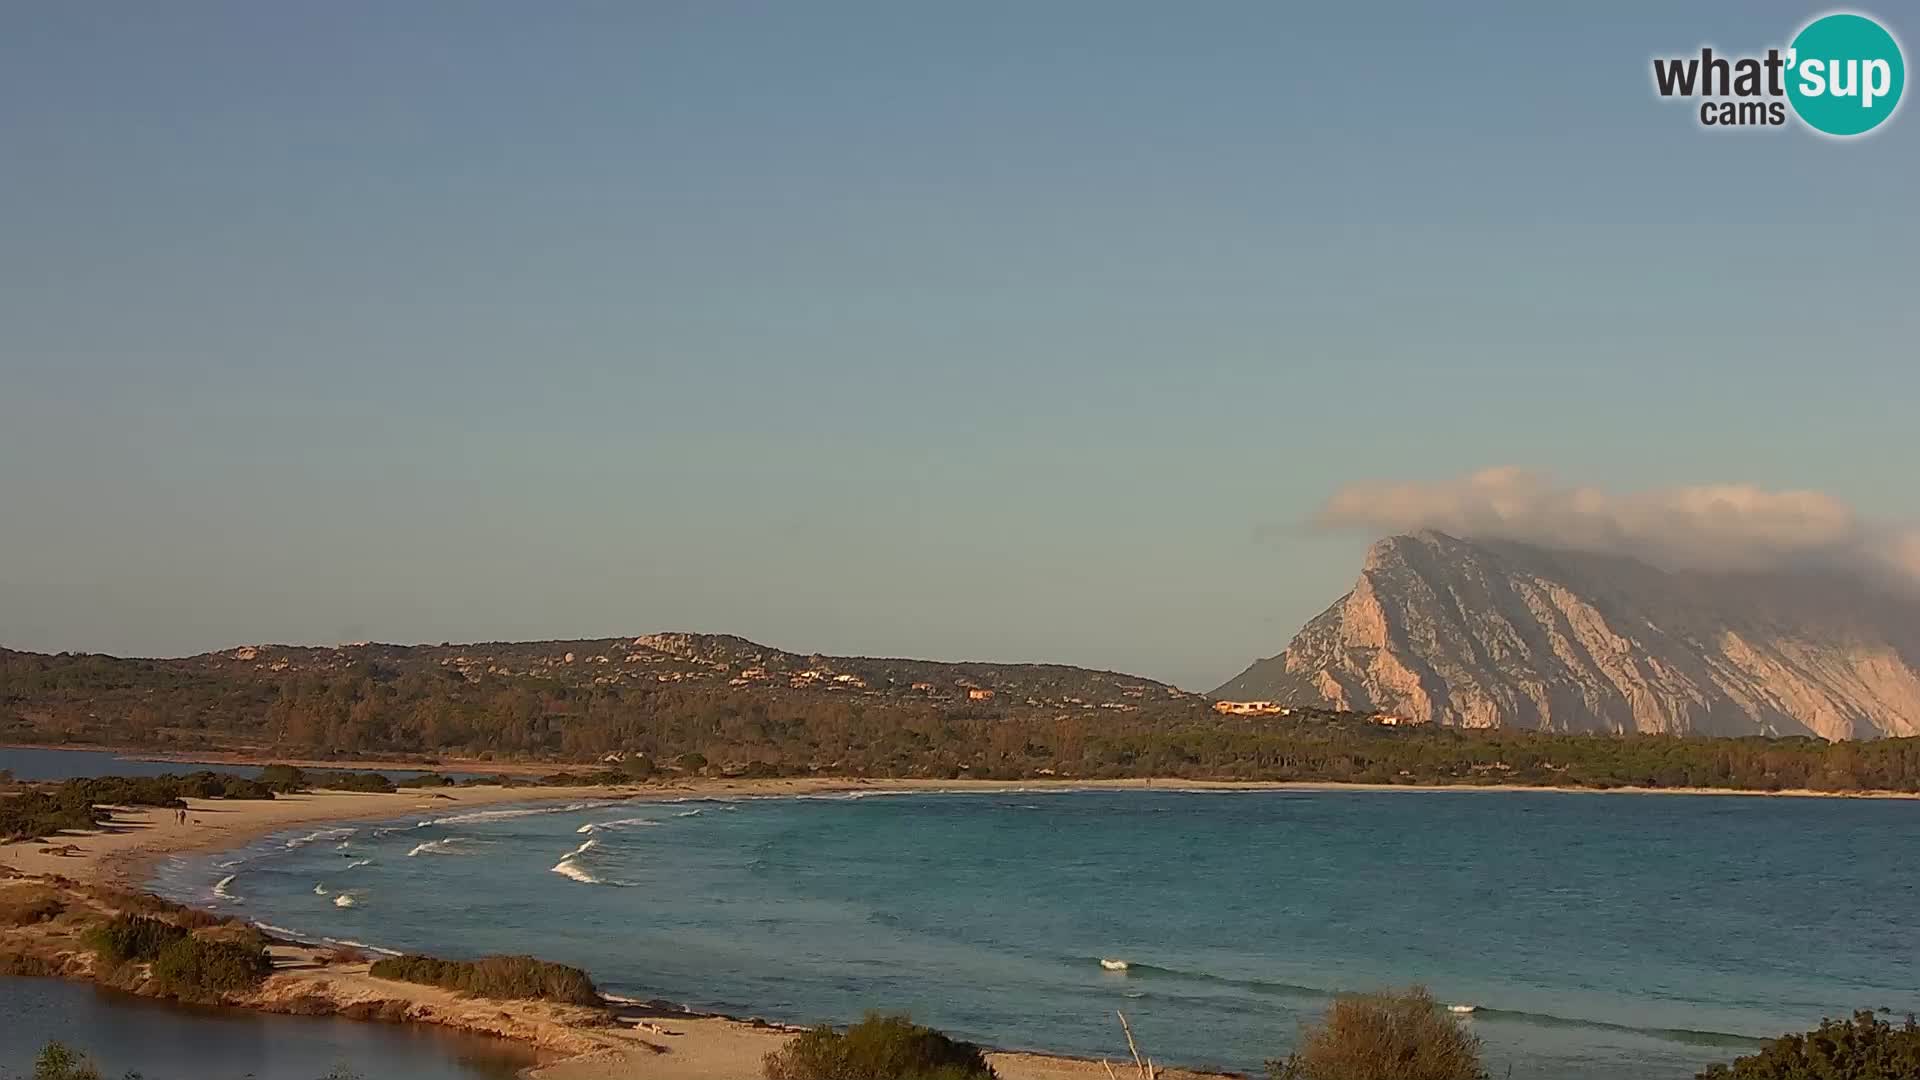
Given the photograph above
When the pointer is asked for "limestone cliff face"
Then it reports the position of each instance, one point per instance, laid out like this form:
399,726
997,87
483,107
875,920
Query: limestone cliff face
1495,634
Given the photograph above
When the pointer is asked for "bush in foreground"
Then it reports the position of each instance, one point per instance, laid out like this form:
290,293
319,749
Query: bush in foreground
58,1061
199,968
1386,1036
494,977
356,781
132,939
893,1047
36,815
1865,1048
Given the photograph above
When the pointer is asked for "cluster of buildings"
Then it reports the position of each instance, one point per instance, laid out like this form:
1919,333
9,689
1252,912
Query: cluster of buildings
1274,708
1251,708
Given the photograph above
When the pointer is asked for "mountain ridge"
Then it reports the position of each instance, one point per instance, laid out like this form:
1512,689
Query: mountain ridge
1480,633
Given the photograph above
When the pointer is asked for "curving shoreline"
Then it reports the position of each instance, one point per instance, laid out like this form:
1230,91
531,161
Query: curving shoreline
630,1039
654,1039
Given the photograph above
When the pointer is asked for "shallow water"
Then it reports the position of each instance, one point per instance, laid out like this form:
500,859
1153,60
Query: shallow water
1601,936
171,1042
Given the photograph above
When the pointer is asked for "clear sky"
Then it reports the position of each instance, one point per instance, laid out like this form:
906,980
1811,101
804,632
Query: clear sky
1009,331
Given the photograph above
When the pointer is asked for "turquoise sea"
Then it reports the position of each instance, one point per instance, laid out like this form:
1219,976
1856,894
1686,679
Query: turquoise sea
1627,937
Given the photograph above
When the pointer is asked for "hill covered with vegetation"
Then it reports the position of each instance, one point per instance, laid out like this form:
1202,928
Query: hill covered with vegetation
724,705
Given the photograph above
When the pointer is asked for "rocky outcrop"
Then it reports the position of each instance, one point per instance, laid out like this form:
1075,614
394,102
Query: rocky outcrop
1497,634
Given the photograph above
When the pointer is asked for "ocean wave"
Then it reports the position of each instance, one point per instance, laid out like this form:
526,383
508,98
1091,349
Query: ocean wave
389,830
1690,1036
618,823
355,863
503,815
570,866
319,890
688,813
315,837
346,899
220,889
352,944
447,845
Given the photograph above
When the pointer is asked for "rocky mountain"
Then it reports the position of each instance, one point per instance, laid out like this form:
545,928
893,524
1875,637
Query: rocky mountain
1500,634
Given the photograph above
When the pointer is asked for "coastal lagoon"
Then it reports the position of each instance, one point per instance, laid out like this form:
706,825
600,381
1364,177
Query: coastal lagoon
165,1041
1605,937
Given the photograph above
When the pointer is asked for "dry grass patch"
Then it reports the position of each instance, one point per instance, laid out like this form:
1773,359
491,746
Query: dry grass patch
1387,1036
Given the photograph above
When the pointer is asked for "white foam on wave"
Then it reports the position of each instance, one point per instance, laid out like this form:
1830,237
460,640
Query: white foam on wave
356,862
503,815
220,889
688,813
315,837
319,890
618,823
346,900
447,845
1114,965
567,867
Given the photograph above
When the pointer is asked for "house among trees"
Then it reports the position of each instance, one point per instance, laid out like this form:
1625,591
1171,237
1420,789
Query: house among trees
1250,708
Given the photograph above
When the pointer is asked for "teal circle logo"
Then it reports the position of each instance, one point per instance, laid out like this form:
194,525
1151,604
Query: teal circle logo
1845,74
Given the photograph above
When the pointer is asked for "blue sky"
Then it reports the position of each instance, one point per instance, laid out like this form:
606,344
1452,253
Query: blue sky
1002,331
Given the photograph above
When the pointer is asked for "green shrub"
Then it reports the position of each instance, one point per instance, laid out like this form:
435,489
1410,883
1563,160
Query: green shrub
1865,1048
1387,1036
636,767
496,780
424,780
493,977
58,1061
36,815
356,781
132,938
204,968
284,778
890,1047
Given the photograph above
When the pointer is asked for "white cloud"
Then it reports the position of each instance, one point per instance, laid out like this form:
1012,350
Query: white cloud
1711,527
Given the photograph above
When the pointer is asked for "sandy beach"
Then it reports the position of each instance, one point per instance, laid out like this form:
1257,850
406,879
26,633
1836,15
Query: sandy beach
646,1043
